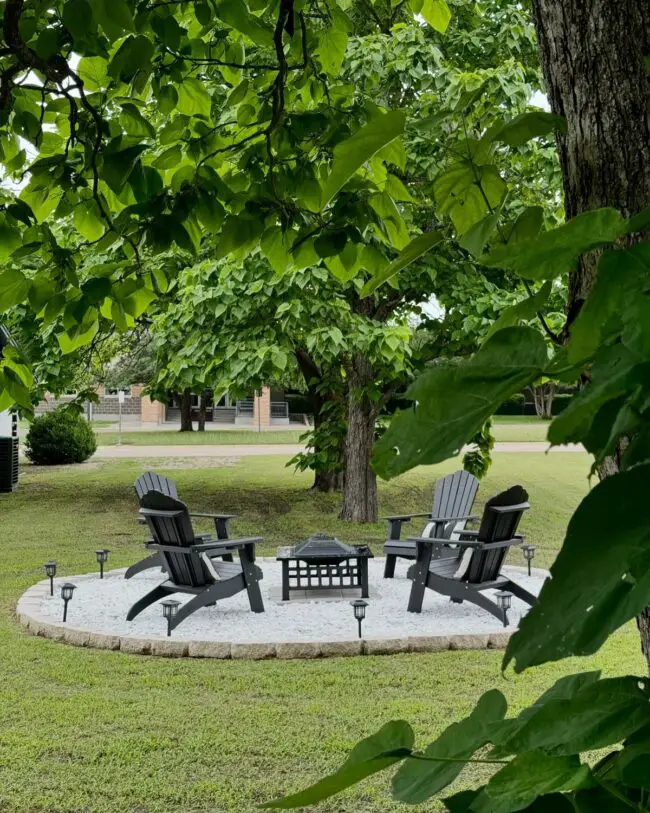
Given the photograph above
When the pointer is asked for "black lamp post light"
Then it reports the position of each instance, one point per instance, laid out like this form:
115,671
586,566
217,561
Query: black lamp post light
102,558
504,602
529,554
50,572
170,608
67,590
359,607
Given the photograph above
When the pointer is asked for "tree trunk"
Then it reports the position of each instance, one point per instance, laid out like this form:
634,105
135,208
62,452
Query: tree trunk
202,411
360,486
592,56
543,399
186,411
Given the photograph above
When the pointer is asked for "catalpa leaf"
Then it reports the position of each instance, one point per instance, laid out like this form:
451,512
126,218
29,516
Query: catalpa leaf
452,402
437,14
556,252
354,152
608,545
389,745
525,126
415,249
524,310
14,287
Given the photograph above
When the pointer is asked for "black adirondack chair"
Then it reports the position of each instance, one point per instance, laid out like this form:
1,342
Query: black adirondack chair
150,481
190,561
463,569
452,503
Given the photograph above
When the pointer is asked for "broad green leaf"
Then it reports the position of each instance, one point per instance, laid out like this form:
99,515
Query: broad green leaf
332,43
329,244
389,745
235,14
14,287
69,344
600,713
352,154
78,18
419,779
41,198
437,14
477,236
169,159
193,98
523,311
528,776
527,226
275,245
575,616
87,220
114,16
556,252
633,765
133,55
93,71
623,277
238,233
138,302
96,289
467,193
21,370
525,126
415,249
117,166
452,402
390,219
145,183
10,240
134,122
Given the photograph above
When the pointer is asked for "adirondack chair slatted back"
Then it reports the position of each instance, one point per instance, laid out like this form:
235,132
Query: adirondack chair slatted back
173,526
454,497
496,526
150,481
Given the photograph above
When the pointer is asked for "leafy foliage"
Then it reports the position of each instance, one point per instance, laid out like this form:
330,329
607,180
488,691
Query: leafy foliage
60,437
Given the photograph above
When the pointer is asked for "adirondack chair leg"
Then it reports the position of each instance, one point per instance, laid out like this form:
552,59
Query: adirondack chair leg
476,597
251,575
419,572
205,599
142,604
144,564
519,591
389,567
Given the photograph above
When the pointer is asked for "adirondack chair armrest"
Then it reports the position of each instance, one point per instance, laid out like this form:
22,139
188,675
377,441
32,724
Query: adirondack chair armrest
212,516
467,518
504,543
406,517
502,509
227,544
448,543
395,524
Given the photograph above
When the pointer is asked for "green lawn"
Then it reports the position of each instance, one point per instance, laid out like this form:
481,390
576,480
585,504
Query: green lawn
515,431
88,731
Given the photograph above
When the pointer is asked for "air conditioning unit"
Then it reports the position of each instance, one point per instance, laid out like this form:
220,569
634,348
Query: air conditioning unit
8,451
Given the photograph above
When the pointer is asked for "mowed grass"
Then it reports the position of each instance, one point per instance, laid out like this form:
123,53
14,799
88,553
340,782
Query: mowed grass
517,431
88,731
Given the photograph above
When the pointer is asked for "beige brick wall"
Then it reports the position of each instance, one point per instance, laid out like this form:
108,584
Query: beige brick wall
262,416
151,411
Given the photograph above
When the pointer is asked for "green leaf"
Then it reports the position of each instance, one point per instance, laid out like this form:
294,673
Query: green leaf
419,779
235,14
93,71
87,220
193,98
169,159
556,252
275,245
523,311
389,745
575,616
114,16
78,18
527,226
134,122
415,249
525,126
330,243
437,14
117,166
238,233
14,287
476,236
69,344
332,44
454,401
528,776
10,240
352,154
133,55
468,192
96,289
623,276
598,714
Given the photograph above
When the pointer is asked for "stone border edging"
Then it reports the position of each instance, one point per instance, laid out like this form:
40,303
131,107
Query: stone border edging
28,614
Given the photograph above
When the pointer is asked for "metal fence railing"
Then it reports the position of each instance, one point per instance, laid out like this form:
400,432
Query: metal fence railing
279,409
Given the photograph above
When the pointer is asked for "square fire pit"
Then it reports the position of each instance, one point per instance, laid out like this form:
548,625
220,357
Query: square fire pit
323,562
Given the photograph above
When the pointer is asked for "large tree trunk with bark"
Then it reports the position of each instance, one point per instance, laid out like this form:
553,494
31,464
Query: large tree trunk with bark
543,395
593,58
186,411
360,487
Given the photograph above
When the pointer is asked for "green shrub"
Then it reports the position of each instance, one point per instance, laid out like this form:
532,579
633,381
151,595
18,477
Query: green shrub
60,437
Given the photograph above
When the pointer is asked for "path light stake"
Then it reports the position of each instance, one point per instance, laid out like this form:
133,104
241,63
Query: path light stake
529,553
102,558
504,602
359,607
170,608
66,594
50,572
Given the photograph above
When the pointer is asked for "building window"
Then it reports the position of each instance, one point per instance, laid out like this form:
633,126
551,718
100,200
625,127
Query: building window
114,393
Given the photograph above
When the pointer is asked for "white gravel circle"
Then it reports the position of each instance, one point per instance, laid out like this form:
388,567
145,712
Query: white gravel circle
101,606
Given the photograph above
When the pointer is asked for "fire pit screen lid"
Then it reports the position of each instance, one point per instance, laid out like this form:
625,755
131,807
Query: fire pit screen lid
320,545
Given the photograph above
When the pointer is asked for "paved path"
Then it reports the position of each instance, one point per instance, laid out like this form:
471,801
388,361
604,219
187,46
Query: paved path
286,449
